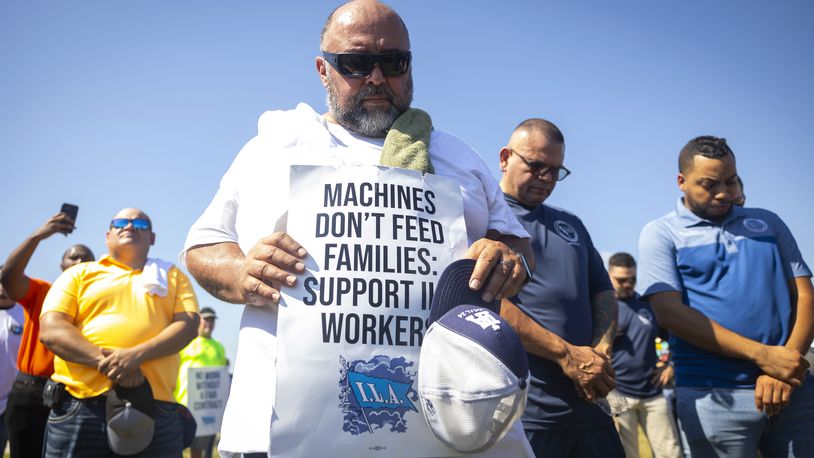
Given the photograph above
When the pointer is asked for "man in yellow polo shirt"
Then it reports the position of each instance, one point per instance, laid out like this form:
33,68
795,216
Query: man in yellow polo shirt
203,351
111,323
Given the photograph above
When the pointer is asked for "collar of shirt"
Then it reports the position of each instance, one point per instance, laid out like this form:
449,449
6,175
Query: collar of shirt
108,260
689,219
512,200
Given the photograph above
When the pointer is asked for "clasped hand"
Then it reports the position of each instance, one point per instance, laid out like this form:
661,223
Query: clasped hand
590,370
121,366
783,363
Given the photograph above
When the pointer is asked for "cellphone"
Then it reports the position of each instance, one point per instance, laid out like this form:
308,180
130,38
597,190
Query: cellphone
71,210
53,394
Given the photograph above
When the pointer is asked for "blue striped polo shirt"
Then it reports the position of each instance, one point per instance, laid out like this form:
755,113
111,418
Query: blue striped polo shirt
735,272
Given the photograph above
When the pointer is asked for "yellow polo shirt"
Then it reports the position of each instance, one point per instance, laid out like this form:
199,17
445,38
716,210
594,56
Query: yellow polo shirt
112,311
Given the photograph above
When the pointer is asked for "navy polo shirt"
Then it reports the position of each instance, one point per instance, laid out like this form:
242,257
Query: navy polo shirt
568,273
634,348
735,272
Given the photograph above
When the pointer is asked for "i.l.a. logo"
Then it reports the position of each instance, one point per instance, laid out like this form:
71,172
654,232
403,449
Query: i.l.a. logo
376,394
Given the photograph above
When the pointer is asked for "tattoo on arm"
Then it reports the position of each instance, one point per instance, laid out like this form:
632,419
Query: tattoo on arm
213,287
605,313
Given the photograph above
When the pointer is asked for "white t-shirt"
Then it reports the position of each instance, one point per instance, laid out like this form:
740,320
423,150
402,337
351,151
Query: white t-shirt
11,330
251,203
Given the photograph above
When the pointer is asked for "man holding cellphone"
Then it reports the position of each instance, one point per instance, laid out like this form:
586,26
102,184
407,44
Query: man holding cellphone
26,415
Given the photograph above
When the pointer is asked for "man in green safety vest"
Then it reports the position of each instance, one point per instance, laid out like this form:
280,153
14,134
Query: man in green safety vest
203,351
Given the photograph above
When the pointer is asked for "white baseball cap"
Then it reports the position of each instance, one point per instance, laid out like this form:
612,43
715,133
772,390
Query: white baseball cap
473,373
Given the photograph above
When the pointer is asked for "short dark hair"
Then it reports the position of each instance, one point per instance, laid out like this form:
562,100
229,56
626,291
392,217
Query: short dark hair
79,246
546,127
622,259
705,145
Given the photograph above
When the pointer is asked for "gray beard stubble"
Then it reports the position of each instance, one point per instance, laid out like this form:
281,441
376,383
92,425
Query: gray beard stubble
374,123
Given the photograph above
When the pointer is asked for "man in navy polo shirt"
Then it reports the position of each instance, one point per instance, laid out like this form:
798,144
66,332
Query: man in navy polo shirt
732,287
639,375
566,315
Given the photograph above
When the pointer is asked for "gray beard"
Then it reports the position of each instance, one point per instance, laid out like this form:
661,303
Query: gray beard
375,123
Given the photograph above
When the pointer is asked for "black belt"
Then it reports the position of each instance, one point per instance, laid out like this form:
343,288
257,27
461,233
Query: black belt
28,379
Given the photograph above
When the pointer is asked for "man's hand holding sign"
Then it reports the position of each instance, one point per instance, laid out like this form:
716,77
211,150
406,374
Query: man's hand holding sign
277,260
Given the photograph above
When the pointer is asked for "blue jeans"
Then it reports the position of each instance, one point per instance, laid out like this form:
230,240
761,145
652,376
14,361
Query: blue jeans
78,428
723,422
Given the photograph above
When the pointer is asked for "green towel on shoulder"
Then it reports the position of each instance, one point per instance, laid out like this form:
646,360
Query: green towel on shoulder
407,144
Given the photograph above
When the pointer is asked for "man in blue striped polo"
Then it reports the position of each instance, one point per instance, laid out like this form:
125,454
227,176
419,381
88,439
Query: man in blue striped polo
731,286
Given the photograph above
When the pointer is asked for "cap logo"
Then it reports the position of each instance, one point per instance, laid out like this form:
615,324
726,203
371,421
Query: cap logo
429,408
484,319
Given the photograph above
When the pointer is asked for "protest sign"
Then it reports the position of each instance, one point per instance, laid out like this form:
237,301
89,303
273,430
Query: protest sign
350,331
206,395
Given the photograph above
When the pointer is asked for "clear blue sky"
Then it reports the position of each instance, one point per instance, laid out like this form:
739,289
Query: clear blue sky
114,104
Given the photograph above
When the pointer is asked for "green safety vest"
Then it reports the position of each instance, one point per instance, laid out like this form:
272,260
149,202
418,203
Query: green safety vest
201,352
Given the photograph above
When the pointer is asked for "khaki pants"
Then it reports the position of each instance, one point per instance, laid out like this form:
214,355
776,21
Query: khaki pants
658,424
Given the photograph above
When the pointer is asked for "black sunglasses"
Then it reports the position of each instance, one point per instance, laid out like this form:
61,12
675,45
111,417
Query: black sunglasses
360,65
540,170
139,224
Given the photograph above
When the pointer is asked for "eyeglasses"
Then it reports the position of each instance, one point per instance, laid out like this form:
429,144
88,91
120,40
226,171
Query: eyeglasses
360,65
139,224
540,170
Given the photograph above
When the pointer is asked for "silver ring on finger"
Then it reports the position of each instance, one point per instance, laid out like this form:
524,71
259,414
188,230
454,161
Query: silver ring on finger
508,266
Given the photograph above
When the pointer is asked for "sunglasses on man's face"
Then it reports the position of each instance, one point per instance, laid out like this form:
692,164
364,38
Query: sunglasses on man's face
139,224
540,169
360,65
